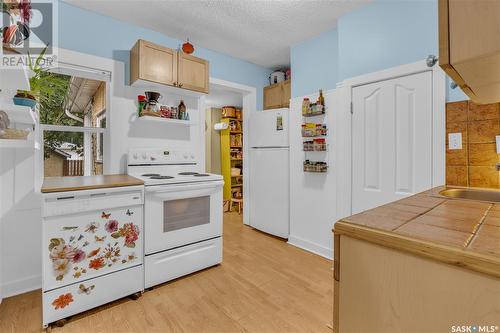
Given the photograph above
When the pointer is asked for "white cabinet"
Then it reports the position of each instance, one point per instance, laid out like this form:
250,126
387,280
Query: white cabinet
78,297
92,249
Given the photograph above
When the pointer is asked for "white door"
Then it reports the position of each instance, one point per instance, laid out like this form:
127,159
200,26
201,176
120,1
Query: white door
391,140
269,190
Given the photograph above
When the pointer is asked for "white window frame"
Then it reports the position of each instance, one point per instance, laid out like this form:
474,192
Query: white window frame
99,153
87,73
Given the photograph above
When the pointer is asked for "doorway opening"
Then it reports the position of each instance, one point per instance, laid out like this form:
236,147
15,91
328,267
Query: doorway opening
224,142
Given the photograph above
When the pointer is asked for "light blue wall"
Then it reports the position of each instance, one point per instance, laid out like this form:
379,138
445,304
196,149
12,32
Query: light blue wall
386,34
88,32
454,95
314,64
381,35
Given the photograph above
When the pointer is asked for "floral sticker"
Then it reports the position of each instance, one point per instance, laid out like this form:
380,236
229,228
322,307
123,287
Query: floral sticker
80,252
93,253
92,227
111,254
130,232
111,226
97,263
62,301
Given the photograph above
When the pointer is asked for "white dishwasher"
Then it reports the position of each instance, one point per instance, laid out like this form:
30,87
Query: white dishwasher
92,249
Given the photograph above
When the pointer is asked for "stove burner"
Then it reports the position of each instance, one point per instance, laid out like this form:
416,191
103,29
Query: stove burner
188,173
161,177
202,175
150,175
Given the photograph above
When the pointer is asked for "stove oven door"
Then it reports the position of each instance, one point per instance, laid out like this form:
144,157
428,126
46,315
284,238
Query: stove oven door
181,214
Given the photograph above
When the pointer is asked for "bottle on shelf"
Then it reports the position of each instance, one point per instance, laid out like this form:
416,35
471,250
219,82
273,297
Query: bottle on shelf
182,110
321,99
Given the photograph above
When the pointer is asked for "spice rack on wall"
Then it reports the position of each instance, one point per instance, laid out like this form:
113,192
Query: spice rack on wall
314,134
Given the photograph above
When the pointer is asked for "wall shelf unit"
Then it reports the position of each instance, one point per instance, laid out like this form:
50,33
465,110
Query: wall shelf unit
17,144
167,120
21,118
314,137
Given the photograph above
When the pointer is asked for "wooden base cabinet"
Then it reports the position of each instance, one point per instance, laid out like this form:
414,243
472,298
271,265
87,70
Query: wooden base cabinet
152,63
277,95
379,289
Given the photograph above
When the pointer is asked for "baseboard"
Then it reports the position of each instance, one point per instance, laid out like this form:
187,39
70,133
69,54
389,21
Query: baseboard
311,247
21,286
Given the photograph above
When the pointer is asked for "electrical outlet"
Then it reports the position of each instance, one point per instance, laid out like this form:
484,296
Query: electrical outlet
454,141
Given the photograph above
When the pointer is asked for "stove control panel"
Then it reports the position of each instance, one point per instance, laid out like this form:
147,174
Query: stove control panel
160,156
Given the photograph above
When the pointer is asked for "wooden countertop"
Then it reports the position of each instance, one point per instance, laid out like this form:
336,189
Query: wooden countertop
64,184
459,232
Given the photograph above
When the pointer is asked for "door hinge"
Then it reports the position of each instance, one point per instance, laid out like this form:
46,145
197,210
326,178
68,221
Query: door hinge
352,108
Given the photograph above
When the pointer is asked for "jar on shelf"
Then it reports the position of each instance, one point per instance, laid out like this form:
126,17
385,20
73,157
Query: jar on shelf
305,106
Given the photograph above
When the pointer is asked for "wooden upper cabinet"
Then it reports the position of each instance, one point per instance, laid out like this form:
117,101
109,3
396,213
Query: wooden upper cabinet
157,64
277,95
469,46
192,73
153,63
287,93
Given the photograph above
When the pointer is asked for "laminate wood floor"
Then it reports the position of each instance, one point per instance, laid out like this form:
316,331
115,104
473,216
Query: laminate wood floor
263,285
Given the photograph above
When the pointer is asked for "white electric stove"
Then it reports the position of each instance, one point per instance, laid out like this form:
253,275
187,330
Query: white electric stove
182,213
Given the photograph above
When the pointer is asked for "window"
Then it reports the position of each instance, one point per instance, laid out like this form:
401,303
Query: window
101,123
73,122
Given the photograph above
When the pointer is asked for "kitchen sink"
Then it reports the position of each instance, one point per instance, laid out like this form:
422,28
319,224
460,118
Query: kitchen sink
471,194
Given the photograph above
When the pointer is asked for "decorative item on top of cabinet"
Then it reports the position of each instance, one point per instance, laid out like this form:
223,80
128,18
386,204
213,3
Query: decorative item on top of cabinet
469,47
277,95
152,64
187,47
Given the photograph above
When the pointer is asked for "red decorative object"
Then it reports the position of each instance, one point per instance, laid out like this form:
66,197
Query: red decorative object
187,47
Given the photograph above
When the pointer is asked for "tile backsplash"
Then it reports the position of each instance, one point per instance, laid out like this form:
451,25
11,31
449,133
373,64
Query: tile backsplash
475,164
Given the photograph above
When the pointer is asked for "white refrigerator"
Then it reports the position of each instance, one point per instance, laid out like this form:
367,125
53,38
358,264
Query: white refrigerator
269,181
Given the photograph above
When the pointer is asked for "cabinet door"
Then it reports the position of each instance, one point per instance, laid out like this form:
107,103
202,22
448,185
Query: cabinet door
192,73
286,95
273,96
157,63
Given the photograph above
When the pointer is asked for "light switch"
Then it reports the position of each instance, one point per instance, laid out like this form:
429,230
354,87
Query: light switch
454,141
498,143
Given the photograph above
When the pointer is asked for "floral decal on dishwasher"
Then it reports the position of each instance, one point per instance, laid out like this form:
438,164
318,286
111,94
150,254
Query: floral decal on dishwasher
130,232
82,252
62,301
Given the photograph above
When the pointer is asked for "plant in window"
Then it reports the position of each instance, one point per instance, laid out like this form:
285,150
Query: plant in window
43,84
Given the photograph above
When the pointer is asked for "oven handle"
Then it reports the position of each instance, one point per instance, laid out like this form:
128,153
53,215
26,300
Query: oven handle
182,187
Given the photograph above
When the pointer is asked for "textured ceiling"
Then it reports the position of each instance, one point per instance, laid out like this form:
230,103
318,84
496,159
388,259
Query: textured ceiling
259,31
